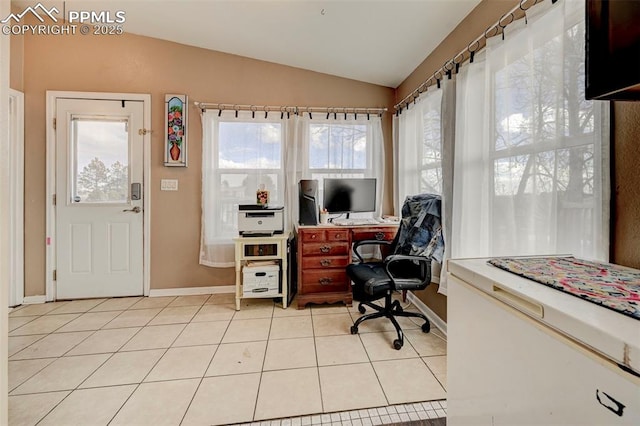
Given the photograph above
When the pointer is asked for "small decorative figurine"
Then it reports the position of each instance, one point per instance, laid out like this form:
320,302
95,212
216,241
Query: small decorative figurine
262,196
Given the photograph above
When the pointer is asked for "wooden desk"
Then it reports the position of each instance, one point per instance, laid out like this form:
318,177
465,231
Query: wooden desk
324,251
262,248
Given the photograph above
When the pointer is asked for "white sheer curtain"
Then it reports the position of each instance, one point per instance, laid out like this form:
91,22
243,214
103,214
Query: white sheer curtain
316,149
419,152
531,160
239,155
424,155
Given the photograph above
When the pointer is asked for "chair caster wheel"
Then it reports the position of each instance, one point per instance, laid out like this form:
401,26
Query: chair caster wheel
354,329
426,327
361,309
397,344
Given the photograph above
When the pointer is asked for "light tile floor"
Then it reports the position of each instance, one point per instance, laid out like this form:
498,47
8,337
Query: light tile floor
194,360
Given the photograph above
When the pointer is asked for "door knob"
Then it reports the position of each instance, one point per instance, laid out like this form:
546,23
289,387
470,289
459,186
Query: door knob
136,209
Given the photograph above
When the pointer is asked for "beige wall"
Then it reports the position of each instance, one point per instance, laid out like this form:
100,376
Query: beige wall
17,58
136,64
473,25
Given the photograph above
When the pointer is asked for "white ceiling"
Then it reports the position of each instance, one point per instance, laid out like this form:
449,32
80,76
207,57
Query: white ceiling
376,41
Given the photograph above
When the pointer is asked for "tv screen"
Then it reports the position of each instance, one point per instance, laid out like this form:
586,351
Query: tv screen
349,195
612,49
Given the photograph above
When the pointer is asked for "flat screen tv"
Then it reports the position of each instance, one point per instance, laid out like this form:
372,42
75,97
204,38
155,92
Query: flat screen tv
612,49
349,195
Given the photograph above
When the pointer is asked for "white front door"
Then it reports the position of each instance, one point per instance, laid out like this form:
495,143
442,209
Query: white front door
99,220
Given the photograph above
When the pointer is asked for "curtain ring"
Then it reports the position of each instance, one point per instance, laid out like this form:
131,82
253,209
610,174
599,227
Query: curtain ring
449,62
502,27
266,112
502,17
253,111
474,43
236,108
494,27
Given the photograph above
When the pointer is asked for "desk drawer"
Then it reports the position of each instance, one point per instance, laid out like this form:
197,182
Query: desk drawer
385,234
312,262
337,235
311,235
325,249
324,280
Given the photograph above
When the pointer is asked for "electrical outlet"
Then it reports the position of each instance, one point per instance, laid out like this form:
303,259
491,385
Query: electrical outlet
169,184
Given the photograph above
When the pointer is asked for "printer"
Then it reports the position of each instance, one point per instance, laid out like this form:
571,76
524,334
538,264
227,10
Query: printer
260,220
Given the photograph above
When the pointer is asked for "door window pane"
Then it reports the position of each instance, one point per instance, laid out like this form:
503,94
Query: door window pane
100,153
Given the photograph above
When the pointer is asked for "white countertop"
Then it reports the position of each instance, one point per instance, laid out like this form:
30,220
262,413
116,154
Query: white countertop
610,333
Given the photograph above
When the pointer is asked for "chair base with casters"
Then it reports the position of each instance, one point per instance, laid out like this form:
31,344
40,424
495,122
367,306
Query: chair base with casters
377,280
391,309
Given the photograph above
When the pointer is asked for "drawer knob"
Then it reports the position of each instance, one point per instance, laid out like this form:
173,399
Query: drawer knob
325,262
379,236
325,249
325,281
313,236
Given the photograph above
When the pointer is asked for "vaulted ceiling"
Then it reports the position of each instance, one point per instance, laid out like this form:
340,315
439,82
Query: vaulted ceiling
376,41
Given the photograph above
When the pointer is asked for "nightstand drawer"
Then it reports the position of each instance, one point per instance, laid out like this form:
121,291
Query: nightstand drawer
328,249
325,262
321,281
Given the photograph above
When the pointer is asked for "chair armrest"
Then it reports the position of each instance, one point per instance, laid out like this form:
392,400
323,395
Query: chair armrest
406,283
357,244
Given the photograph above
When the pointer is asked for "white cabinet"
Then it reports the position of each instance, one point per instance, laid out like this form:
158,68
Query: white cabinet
505,367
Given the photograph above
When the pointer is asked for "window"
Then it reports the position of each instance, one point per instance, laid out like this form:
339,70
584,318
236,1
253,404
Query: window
543,150
431,152
530,177
419,151
240,154
343,149
100,175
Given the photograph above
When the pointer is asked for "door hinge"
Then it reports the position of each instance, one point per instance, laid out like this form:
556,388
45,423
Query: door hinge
54,123
55,275
54,199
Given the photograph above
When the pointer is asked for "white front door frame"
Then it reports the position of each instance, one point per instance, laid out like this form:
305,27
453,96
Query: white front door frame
52,96
16,194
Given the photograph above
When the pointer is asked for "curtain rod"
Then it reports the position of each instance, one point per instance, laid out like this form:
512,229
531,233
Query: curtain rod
290,109
518,12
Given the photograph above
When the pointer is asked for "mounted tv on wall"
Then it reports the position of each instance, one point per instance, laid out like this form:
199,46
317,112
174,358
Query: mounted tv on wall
612,49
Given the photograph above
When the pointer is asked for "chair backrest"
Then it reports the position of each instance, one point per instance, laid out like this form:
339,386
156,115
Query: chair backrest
420,231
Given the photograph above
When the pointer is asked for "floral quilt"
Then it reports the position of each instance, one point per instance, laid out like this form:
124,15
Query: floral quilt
612,286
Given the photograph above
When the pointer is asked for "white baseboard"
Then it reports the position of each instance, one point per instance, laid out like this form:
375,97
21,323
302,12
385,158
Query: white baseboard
435,319
32,300
192,291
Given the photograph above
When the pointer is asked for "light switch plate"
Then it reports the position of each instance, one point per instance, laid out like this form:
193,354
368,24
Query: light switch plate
169,184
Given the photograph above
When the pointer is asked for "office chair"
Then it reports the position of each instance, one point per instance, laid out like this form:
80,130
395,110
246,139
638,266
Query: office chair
408,267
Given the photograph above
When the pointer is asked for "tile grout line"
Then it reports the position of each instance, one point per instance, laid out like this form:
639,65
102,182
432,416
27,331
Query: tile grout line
266,348
344,415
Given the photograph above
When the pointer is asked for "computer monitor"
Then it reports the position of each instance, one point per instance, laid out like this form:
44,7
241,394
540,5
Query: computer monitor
349,195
